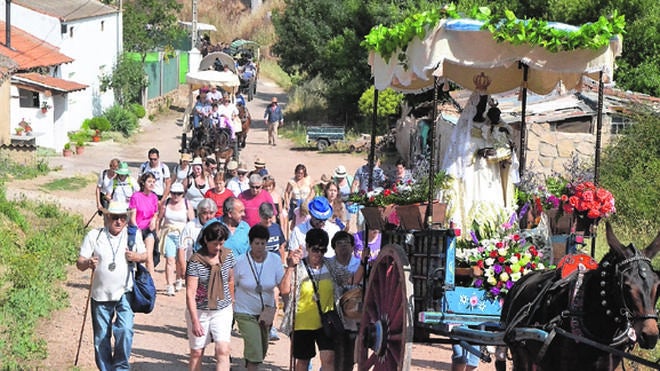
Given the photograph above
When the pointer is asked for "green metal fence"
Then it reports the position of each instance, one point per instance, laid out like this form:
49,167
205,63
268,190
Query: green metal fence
164,72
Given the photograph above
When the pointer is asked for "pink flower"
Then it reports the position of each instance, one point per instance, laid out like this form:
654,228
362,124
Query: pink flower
474,301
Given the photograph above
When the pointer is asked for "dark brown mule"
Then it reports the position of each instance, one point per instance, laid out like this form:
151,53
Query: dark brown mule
246,121
613,305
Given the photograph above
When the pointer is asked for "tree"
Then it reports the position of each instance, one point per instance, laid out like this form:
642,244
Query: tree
127,80
150,24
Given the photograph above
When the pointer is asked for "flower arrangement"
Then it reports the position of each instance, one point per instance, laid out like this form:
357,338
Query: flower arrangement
592,201
502,257
402,193
25,125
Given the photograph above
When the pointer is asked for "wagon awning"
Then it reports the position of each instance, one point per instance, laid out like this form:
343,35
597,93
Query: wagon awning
225,80
458,50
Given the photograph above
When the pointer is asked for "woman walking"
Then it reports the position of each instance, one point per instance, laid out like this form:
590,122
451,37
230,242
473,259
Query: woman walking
339,213
145,215
183,169
209,296
197,183
172,218
298,189
257,275
220,193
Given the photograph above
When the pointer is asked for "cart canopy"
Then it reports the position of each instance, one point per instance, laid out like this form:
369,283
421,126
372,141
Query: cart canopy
457,50
226,80
224,58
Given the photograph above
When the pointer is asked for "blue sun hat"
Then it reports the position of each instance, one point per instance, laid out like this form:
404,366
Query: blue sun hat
320,208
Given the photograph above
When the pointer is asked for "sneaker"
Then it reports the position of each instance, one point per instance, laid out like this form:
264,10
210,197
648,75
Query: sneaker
178,285
170,290
273,334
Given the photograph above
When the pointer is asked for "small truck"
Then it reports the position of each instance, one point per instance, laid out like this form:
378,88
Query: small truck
325,135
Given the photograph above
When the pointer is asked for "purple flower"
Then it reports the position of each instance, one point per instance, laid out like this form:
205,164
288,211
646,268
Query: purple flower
495,291
474,238
497,268
523,211
554,201
509,284
511,222
478,283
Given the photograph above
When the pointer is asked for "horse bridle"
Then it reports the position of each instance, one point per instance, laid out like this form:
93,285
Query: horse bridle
619,269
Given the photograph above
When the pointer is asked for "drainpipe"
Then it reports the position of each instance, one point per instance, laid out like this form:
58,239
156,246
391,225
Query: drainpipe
8,23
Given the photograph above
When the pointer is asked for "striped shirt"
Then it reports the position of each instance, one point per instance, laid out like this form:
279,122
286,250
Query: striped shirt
202,272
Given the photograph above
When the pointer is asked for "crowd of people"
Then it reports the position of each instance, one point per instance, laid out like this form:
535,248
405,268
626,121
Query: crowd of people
241,251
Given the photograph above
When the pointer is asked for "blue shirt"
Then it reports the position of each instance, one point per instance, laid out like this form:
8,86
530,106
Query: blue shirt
273,113
238,242
276,238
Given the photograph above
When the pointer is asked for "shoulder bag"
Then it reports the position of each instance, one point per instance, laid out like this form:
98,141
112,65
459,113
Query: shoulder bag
332,324
267,315
144,290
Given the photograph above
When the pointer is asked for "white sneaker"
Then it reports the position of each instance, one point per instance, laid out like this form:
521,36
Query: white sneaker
170,290
178,285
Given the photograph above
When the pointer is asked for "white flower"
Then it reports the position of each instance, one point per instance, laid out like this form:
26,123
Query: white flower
492,280
502,251
515,276
504,276
488,262
513,259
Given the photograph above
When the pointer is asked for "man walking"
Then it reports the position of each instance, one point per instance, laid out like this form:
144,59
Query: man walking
160,171
106,252
274,118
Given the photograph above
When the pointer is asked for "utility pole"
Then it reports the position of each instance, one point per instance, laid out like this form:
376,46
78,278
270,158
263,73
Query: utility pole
193,37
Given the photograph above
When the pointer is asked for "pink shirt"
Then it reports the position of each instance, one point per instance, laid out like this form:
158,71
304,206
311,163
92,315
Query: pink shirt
252,204
145,208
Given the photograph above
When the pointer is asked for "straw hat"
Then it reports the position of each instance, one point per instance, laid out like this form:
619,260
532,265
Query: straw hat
242,168
176,188
351,303
116,208
186,157
340,172
232,165
259,162
197,161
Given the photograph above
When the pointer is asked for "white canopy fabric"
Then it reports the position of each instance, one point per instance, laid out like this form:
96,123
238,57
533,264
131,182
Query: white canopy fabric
458,50
225,59
225,80
200,26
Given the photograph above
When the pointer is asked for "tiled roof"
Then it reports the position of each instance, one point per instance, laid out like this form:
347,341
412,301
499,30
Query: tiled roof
68,10
47,82
28,51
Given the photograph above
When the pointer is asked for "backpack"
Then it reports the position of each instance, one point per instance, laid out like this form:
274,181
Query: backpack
145,166
115,183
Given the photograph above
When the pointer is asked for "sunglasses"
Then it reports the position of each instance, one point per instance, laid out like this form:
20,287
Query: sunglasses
318,250
153,159
255,187
176,193
242,173
118,217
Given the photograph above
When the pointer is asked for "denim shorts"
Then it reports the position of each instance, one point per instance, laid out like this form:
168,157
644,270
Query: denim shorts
171,241
461,356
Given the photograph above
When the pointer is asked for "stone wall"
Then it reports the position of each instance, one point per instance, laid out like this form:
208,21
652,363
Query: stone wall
177,98
550,145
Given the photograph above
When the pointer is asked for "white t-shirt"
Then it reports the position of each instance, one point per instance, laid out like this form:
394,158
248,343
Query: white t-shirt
189,235
109,285
161,172
124,189
269,273
297,238
104,183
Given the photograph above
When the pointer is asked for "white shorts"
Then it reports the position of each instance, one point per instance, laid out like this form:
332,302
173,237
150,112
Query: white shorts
216,325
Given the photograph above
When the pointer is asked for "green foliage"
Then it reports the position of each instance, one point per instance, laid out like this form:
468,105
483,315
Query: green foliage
21,171
67,184
389,103
121,120
127,80
631,171
138,110
150,25
80,136
67,146
33,262
99,123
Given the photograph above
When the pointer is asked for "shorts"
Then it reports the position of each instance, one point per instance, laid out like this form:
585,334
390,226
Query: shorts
461,356
146,233
255,337
305,340
216,325
171,241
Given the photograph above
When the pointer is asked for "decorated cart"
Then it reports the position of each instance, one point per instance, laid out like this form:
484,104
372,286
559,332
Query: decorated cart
413,288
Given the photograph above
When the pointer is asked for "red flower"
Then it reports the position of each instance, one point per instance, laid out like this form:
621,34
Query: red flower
493,254
516,237
532,250
508,269
387,192
501,259
499,245
480,263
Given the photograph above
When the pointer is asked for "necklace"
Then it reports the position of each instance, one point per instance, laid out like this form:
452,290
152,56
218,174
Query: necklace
113,265
257,276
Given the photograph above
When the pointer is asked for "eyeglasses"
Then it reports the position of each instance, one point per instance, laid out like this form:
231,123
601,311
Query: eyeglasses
205,212
118,217
176,193
255,187
153,158
318,250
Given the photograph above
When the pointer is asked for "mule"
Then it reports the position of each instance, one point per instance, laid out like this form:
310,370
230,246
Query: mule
207,140
246,121
613,305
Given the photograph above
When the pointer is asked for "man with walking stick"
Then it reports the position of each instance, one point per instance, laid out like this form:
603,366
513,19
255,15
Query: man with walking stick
105,251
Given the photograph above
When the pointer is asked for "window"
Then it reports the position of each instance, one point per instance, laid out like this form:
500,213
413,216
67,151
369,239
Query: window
102,26
28,99
620,123
71,32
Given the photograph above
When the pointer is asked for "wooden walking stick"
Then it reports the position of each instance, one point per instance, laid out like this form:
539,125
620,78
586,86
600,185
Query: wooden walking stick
292,359
82,329
92,218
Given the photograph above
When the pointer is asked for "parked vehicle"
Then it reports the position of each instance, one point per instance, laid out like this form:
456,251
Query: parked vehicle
325,135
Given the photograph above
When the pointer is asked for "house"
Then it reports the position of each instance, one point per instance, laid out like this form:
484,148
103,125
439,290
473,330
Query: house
89,33
35,97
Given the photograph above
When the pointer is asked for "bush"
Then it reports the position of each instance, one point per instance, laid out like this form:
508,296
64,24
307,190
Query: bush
138,110
121,120
100,123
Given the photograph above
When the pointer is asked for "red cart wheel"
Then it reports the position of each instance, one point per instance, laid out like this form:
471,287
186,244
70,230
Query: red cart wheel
386,327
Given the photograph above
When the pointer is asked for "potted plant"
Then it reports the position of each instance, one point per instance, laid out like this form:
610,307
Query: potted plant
45,107
26,127
80,147
66,152
98,124
19,131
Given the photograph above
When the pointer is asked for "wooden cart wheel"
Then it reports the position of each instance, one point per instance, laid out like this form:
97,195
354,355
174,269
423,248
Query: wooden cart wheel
386,330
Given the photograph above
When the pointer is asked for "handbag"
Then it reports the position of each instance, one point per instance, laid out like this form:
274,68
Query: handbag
332,324
267,315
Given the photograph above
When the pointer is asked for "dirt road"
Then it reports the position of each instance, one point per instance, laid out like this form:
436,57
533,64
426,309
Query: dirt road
160,337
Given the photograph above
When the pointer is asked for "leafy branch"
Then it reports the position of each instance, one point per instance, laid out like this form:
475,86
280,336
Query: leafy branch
387,40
